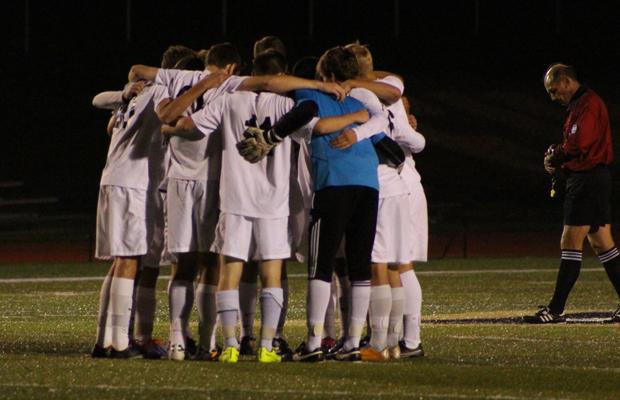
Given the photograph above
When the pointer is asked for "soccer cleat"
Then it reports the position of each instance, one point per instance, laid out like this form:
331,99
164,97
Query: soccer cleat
129,352
176,352
331,352
265,356
615,317
229,355
407,352
191,348
369,353
152,349
544,315
327,343
248,346
100,352
394,352
304,355
282,348
207,355
348,355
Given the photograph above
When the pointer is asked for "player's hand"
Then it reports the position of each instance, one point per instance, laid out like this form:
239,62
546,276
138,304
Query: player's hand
334,89
346,139
214,80
167,130
361,116
348,85
133,90
413,122
256,145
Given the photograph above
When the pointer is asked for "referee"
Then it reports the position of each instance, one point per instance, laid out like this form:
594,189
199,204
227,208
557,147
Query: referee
583,160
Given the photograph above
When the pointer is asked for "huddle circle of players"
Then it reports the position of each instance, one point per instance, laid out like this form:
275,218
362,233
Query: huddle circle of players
226,177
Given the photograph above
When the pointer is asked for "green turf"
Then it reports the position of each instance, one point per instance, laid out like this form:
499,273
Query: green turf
47,329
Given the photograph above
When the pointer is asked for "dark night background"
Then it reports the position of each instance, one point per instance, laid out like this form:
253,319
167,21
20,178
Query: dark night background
476,84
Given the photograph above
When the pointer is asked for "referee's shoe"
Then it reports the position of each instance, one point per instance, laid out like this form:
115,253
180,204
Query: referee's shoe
544,315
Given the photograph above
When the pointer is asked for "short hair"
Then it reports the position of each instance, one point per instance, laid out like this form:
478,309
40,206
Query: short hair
559,70
363,56
269,43
270,62
173,54
192,63
306,67
222,54
339,62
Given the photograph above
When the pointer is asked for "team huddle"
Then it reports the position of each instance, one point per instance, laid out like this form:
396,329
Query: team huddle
226,177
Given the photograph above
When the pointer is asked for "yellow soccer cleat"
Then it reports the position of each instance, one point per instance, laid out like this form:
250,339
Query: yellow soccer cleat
265,356
370,354
229,355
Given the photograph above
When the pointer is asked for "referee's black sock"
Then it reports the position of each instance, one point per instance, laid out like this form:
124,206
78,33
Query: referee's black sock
567,276
611,261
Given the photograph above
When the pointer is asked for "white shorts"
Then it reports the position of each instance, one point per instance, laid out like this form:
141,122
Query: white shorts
192,210
248,238
394,231
121,222
419,222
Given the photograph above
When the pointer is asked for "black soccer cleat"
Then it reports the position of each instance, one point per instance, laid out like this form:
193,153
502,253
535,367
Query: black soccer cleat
352,355
331,352
100,352
191,347
282,349
129,352
407,352
248,346
303,355
544,315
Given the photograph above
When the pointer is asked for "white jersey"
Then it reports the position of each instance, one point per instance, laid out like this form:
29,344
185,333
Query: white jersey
259,190
390,182
194,159
410,140
134,131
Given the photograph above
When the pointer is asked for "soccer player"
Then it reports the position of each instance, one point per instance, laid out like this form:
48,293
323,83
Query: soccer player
389,89
125,197
583,160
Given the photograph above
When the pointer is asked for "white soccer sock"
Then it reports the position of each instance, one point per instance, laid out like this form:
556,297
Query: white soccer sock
345,304
145,313
247,307
207,314
412,309
395,329
119,311
360,299
228,309
271,300
380,307
330,315
282,320
104,331
318,298
180,301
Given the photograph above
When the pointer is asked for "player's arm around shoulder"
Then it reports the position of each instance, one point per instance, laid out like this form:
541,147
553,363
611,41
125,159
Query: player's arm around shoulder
184,128
387,93
336,123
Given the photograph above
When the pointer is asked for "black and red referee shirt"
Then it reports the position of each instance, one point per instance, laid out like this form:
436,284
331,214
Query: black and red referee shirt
587,134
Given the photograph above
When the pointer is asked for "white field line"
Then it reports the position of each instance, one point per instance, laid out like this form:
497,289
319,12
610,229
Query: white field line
205,390
515,339
444,272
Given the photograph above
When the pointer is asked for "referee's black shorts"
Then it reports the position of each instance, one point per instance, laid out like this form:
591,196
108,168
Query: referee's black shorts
587,199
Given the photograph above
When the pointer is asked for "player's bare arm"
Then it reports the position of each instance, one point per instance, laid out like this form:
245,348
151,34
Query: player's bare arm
111,123
339,122
388,94
184,128
169,111
385,74
283,84
142,72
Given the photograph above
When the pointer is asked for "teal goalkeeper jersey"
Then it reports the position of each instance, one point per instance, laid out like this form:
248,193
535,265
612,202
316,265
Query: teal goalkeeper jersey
353,166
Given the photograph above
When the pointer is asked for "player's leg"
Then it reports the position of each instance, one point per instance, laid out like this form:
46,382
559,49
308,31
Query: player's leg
411,344
271,300
205,303
227,301
181,301
120,305
379,313
247,307
331,328
603,245
279,342
395,327
344,294
104,325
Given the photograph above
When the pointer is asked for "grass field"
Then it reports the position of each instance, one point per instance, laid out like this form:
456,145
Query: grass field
474,349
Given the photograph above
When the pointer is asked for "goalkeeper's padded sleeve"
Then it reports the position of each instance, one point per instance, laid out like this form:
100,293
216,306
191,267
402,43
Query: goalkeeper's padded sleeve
389,152
299,116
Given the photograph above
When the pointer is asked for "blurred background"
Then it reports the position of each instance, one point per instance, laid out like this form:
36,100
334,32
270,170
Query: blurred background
473,69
